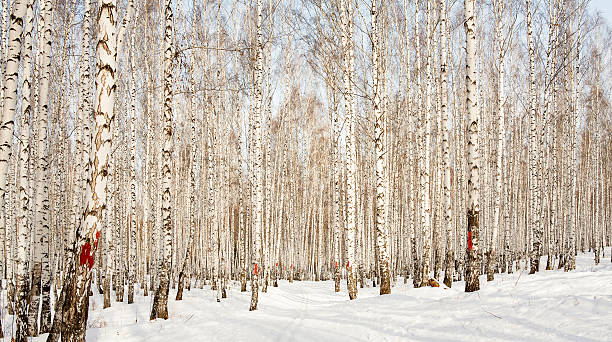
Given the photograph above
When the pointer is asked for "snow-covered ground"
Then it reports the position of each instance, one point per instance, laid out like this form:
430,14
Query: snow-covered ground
548,306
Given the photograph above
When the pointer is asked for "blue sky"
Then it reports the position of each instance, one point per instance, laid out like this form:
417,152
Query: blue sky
605,7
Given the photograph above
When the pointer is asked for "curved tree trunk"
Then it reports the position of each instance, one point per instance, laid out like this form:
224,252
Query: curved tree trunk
75,290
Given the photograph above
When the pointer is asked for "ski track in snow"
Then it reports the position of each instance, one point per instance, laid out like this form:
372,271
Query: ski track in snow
548,306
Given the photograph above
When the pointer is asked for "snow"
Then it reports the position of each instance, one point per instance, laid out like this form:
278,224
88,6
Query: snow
548,306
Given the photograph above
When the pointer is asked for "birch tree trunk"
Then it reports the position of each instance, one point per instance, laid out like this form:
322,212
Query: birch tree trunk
346,15
242,222
549,131
534,187
416,145
501,134
446,167
160,301
41,201
24,225
473,154
257,158
132,168
9,87
382,237
37,247
212,211
192,203
426,156
76,286
336,181
573,204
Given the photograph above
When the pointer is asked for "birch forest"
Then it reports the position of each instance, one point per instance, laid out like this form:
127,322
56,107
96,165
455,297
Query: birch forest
151,149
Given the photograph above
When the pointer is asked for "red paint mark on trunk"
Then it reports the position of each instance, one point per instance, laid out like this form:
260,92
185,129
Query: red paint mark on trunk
470,246
84,253
277,264
336,264
86,258
347,264
96,240
255,268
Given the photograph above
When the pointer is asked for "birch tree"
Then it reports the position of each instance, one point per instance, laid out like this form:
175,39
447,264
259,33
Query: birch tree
258,156
570,252
9,89
76,303
473,153
534,187
24,225
346,17
381,156
41,200
446,166
501,134
425,159
160,301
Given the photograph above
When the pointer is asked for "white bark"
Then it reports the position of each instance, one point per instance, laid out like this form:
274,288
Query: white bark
160,305
446,167
346,15
473,153
534,187
501,134
41,201
426,155
382,237
9,86
132,167
574,124
24,222
96,194
257,158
